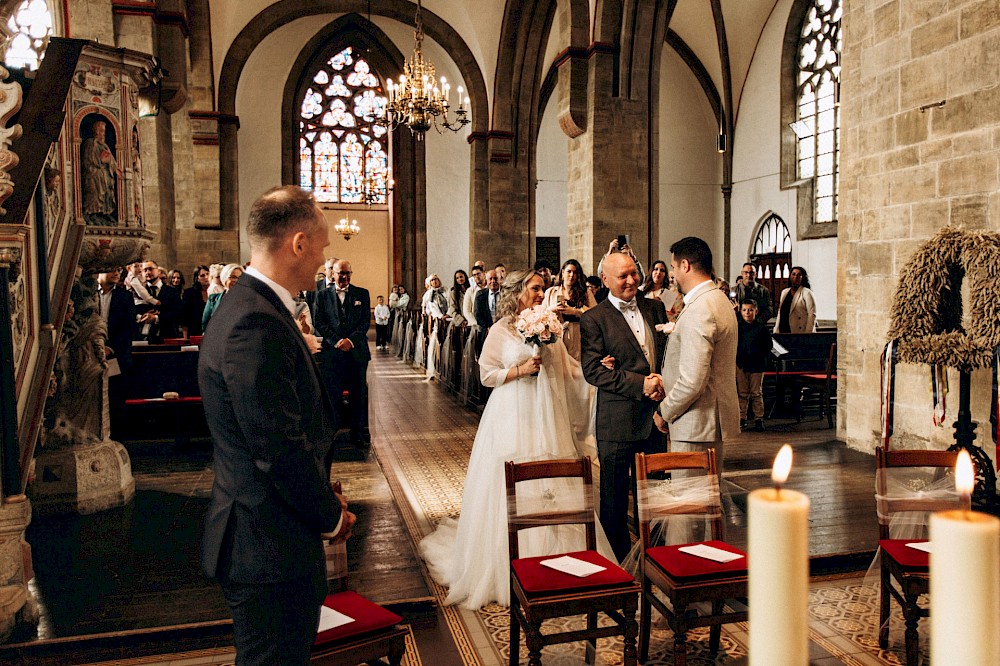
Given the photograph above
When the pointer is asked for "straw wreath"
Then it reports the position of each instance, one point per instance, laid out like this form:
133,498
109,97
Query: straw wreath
927,310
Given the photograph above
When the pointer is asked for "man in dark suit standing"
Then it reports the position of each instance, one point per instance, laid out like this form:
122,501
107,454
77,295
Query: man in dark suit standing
117,308
342,317
623,327
327,280
156,322
270,422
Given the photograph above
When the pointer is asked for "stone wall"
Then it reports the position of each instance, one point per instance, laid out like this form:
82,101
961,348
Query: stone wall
920,141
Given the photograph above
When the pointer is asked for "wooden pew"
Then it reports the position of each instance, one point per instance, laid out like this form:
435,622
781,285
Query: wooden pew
804,355
157,370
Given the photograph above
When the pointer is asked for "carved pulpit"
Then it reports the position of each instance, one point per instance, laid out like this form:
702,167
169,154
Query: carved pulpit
73,208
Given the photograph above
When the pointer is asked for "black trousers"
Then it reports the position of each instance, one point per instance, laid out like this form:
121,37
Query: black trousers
275,623
617,478
381,334
342,372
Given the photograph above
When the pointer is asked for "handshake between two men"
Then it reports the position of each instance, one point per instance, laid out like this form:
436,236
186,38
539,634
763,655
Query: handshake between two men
652,388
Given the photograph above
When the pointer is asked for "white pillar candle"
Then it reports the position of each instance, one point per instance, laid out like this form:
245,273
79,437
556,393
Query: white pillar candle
965,582
778,559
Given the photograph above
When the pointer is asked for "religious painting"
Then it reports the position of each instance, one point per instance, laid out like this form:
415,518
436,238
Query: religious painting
99,171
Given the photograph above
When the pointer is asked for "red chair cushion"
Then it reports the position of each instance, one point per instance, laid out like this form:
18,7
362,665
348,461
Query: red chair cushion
537,578
368,616
156,401
196,339
175,341
683,565
908,558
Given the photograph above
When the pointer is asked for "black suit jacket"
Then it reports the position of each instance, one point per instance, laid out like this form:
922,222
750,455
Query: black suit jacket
192,308
623,412
268,414
352,320
482,308
170,312
121,326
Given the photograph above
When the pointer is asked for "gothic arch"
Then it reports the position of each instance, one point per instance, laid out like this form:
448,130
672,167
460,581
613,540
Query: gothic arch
286,11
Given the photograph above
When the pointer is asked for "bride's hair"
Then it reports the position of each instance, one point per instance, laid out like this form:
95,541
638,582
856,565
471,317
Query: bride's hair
510,293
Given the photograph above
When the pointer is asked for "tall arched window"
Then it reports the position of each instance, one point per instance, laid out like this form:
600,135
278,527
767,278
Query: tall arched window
341,152
31,27
817,123
772,256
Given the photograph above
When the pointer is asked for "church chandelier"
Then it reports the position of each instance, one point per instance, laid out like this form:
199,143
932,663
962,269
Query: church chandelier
347,228
418,100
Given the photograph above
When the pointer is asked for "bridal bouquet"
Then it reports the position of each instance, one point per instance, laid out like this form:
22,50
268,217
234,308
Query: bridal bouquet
539,325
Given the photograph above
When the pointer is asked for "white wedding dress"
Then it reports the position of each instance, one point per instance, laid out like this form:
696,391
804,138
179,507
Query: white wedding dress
540,417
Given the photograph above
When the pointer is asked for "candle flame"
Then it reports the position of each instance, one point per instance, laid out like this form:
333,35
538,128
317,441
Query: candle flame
965,475
782,465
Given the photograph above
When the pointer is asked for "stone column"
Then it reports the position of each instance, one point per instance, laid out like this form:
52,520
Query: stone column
609,171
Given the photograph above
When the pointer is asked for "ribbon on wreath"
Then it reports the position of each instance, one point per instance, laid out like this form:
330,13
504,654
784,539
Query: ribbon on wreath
939,393
995,403
888,387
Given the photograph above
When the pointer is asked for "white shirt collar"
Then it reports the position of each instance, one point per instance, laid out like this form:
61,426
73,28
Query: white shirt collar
283,294
688,297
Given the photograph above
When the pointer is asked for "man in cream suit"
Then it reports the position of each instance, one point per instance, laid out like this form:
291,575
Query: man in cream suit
700,409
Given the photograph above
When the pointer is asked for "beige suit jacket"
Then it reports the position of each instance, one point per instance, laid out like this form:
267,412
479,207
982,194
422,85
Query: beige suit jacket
699,371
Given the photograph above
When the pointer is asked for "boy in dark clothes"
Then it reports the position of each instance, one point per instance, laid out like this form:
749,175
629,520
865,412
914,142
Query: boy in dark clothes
751,360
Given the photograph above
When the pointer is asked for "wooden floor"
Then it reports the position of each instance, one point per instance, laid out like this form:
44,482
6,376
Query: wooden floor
136,567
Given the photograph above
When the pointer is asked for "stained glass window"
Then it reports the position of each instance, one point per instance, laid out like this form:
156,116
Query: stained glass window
31,27
342,153
817,125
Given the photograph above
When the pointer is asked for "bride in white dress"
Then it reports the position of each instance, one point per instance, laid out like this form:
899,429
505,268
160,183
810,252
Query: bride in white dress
540,408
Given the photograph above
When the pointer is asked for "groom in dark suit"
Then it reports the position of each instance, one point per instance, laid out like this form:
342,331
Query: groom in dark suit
269,417
623,326
342,317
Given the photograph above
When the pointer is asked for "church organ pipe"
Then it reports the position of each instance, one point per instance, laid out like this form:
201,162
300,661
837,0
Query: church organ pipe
10,467
41,257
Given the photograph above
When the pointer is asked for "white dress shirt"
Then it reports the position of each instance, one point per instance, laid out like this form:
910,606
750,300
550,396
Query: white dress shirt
635,321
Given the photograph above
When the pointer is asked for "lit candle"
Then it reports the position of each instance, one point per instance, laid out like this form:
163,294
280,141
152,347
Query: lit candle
778,559
965,580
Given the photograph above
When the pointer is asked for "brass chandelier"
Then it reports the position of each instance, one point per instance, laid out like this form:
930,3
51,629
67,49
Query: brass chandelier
347,228
420,102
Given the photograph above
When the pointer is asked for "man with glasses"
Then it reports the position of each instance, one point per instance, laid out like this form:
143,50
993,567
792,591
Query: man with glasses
749,289
342,317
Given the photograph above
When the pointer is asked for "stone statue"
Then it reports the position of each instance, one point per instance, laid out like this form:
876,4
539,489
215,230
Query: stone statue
100,171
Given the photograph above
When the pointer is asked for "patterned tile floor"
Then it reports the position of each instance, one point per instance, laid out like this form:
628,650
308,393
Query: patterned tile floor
423,438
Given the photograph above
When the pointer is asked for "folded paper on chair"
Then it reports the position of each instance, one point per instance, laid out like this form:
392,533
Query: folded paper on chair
710,553
331,619
572,565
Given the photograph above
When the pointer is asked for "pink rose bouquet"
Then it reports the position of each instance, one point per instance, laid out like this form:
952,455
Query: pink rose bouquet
539,325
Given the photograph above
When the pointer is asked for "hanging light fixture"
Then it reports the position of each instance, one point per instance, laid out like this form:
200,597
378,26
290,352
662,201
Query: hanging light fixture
420,102
347,229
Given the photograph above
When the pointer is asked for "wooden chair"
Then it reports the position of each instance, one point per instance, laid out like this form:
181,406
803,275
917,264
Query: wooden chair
906,566
374,634
823,383
686,579
538,593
